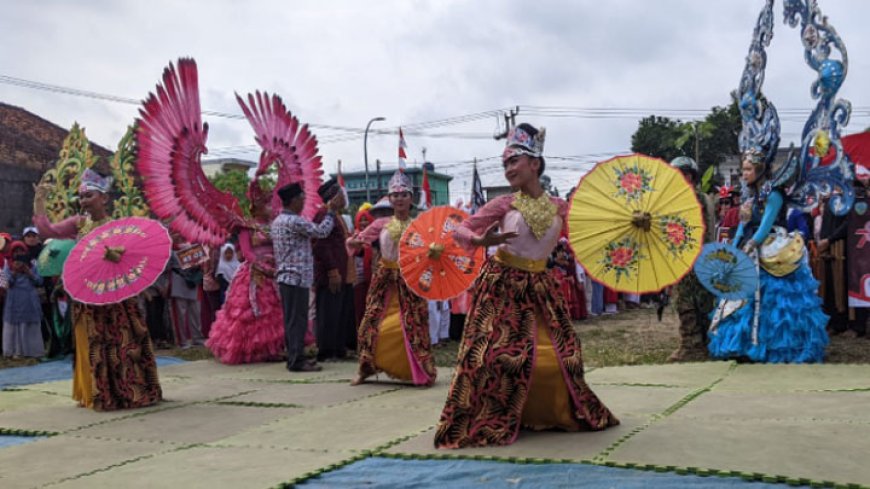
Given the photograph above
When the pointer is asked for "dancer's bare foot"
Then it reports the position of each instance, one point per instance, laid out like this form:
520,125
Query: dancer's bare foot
359,379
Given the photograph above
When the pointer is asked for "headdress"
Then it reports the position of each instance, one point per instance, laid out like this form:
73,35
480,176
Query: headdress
821,133
92,180
399,182
521,142
363,213
759,137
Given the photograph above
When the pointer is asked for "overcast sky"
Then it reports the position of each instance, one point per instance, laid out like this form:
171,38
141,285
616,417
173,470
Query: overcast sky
341,63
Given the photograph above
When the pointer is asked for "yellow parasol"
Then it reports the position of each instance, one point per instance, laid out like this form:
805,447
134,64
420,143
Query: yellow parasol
635,224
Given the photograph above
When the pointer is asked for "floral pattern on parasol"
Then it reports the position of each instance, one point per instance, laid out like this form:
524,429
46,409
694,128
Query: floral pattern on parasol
632,183
635,224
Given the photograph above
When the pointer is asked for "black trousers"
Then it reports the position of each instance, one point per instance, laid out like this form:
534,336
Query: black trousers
336,326
294,301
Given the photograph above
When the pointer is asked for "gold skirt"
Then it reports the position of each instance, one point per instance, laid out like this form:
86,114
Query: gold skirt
391,356
549,402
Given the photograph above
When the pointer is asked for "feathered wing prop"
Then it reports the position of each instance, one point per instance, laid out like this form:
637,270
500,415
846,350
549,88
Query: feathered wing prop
171,140
288,145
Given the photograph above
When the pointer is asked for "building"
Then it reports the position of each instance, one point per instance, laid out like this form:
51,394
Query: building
355,183
215,166
730,168
29,145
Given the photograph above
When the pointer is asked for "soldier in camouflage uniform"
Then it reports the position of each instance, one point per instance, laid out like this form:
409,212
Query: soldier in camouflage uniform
692,301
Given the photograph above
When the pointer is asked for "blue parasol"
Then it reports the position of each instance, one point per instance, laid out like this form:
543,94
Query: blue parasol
726,272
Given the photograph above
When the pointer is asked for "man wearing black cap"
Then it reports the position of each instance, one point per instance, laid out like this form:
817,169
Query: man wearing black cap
291,237
333,281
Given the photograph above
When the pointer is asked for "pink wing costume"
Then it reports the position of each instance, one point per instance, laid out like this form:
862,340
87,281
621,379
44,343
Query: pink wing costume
249,327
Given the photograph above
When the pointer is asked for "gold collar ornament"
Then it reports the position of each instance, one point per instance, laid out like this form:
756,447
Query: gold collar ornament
537,212
395,228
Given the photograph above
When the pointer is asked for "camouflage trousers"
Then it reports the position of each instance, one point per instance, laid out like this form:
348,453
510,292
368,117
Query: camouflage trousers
693,304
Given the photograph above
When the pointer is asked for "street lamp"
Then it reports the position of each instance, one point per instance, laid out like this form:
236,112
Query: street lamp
366,155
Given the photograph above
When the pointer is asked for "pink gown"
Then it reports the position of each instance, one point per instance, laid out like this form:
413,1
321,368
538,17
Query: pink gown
249,328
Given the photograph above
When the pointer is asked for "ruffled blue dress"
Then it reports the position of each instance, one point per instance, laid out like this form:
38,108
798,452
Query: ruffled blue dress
791,325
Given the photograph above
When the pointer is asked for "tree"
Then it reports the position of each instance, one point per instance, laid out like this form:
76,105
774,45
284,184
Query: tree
709,141
235,182
656,136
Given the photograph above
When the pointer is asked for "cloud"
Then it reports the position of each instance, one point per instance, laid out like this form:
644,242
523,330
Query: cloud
344,62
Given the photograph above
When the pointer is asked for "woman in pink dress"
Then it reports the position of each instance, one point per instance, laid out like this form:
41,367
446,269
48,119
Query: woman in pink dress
249,327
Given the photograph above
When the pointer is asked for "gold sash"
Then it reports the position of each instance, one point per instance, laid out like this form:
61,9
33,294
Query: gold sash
520,263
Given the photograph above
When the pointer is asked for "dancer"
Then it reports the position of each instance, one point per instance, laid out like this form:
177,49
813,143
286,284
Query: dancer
520,362
248,328
114,364
171,140
788,325
394,334
783,321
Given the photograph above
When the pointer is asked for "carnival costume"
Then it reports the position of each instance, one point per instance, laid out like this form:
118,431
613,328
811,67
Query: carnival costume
783,321
394,333
114,364
520,361
249,327
172,139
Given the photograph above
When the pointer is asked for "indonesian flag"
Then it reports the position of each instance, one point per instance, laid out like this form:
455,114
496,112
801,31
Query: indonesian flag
402,147
340,179
425,193
340,176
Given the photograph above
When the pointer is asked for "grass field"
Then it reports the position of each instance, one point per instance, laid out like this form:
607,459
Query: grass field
632,337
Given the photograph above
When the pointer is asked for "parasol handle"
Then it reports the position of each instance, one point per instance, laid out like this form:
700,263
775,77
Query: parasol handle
642,220
435,250
113,253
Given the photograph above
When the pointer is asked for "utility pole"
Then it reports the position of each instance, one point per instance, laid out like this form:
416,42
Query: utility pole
378,179
510,120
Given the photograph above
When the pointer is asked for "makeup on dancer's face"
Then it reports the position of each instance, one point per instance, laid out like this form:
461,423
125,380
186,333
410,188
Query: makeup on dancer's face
517,169
748,171
91,200
400,199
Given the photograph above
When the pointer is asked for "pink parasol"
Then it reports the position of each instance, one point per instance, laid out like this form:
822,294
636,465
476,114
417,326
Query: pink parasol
116,261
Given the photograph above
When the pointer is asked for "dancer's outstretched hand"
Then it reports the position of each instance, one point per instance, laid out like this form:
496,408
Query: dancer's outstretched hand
494,238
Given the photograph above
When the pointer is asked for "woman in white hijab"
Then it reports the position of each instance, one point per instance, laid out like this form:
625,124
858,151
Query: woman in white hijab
227,267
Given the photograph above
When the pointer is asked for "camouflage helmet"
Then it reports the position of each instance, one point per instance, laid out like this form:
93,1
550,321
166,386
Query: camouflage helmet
684,163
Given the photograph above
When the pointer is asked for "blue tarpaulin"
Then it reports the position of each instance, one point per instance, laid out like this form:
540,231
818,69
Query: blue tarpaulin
50,371
385,473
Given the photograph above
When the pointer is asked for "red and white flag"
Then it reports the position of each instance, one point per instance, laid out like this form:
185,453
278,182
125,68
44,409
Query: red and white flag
425,193
402,147
340,179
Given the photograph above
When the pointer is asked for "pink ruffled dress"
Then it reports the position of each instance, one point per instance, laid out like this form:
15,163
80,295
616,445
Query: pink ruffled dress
250,327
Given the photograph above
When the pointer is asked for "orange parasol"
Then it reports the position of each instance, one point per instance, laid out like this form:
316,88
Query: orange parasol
431,262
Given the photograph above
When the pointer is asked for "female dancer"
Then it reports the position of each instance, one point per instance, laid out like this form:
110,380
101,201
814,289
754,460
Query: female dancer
520,362
249,327
789,325
114,365
394,334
